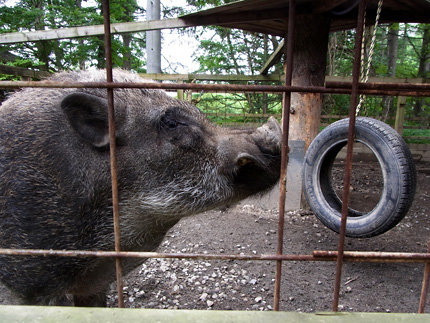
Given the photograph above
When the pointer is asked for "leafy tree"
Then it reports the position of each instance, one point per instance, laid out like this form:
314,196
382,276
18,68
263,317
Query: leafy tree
423,104
411,48
54,55
235,52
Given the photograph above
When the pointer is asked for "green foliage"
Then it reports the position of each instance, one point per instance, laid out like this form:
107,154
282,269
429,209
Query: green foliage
233,108
235,52
417,136
28,15
412,52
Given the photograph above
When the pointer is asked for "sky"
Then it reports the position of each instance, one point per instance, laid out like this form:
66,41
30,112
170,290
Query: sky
177,48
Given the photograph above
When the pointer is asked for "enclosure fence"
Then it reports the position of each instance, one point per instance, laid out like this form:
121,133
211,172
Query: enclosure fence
340,255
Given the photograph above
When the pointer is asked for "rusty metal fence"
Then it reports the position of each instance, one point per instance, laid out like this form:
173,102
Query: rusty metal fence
340,255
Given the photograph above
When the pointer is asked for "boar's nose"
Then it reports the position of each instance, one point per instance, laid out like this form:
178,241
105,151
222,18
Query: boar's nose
268,137
268,140
258,166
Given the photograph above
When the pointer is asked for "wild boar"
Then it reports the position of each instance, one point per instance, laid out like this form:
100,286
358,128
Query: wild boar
55,182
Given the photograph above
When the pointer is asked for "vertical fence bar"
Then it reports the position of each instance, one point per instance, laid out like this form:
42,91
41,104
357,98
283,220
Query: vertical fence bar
425,286
112,143
348,166
284,161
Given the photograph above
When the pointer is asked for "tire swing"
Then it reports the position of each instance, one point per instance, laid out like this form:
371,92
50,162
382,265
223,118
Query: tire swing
395,160
398,172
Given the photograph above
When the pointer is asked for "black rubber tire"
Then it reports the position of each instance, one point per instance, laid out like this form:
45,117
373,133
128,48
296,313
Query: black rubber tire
397,166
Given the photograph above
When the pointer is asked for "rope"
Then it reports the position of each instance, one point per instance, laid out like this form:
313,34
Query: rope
364,77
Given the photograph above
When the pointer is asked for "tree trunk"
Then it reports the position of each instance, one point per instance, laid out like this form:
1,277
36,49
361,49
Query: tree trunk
42,46
424,67
310,54
101,57
78,4
392,41
126,61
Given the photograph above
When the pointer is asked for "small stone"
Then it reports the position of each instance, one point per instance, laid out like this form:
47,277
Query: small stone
258,299
204,296
210,303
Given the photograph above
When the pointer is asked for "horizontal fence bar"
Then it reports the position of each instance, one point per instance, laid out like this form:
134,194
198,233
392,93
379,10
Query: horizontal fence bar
318,255
375,256
375,85
323,116
413,90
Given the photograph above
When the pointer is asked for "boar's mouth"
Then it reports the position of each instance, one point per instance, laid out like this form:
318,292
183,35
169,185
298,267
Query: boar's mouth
256,173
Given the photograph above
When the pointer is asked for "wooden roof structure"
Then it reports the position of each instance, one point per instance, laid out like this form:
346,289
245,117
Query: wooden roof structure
264,16
268,16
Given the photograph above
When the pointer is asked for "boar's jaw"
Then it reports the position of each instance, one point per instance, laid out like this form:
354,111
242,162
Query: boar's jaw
255,174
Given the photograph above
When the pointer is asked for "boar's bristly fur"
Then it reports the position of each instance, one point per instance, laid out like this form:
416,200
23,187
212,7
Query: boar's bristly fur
55,182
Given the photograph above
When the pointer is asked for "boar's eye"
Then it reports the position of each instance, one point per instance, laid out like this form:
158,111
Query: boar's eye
170,120
169,123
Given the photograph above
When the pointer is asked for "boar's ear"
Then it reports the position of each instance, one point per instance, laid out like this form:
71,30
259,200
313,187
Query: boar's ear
88,116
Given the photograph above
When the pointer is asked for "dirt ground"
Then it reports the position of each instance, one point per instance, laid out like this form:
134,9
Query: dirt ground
306,286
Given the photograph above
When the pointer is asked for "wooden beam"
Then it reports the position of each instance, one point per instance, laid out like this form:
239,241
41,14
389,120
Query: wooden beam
86,31
137,26
400,115
373,79
23,72
273,59
211,77
202,19
322,6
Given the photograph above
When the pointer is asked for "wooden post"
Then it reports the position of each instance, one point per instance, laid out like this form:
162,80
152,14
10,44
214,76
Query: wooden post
310,54
180,92
400,114
153,39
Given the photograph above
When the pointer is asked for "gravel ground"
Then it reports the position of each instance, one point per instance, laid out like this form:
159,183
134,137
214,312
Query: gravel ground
306,286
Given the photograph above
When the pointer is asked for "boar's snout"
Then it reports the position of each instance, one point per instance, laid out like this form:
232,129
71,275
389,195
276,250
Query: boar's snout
268,137
258,158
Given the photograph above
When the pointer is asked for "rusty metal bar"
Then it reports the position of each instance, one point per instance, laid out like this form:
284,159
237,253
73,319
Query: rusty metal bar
112,145
317,255
374,256
379,85
286,104
349,151
384,89
425,286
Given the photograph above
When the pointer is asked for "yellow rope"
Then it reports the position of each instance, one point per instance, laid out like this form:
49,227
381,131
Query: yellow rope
365,73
